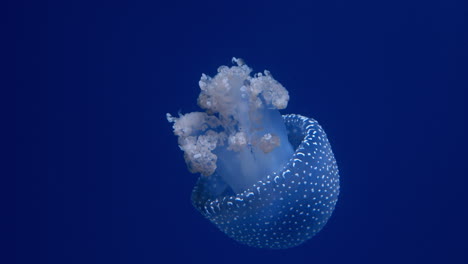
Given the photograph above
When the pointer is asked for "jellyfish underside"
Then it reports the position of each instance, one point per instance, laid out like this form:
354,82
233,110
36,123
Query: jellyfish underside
241,136
268,181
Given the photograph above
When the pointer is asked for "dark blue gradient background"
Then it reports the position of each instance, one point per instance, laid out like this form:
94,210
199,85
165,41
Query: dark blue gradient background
97,174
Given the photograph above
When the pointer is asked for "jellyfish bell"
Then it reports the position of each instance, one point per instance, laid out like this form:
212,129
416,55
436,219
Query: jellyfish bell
268,180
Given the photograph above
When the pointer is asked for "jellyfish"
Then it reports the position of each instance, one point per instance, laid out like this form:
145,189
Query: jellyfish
266,180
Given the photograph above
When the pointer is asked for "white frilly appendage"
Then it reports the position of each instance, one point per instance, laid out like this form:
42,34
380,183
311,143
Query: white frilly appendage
242,135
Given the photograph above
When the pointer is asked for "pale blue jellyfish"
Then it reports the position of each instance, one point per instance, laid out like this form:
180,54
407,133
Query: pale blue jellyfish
267,180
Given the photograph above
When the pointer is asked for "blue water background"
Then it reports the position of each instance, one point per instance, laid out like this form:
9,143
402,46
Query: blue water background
98,176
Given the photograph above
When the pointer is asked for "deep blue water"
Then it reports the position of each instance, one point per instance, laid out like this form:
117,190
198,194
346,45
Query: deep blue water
98,176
